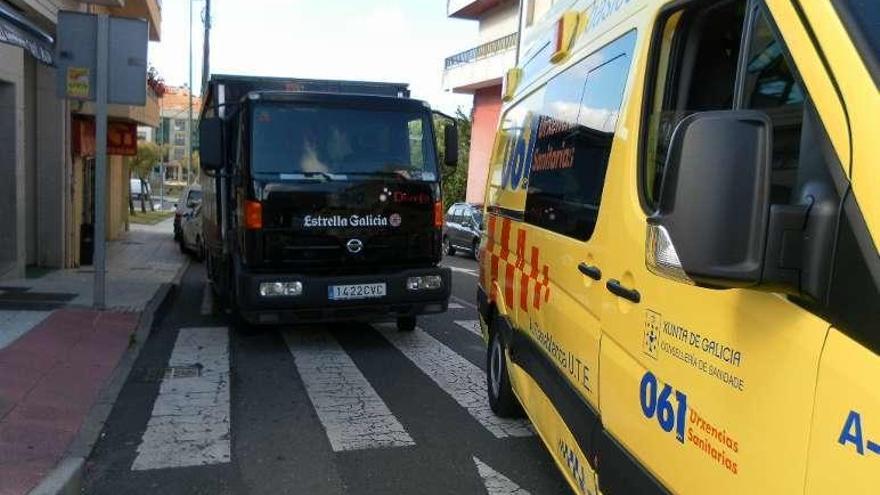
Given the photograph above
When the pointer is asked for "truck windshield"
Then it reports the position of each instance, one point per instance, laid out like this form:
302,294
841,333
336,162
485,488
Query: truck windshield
320,142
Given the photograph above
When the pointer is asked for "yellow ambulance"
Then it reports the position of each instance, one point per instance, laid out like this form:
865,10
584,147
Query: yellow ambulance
679,273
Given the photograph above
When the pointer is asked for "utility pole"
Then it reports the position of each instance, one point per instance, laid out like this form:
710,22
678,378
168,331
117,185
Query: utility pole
189,155
206,50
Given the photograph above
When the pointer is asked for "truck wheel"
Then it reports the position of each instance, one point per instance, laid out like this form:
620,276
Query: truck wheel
406,323
501,398
447,246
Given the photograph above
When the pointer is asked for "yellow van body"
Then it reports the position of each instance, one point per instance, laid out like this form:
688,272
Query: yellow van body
637,382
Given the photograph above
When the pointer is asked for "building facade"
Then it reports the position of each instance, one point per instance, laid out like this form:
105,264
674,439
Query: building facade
480,70
174,114
47,144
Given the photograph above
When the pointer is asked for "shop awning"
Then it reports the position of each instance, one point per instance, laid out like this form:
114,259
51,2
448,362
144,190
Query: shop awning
16,30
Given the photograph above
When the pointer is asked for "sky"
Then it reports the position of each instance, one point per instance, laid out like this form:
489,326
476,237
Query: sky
374,40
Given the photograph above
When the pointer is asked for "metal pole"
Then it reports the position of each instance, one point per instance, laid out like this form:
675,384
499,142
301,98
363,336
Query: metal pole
101,77
189,120
206,50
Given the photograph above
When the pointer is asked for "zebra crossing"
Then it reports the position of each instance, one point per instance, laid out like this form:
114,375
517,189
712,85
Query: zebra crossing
190,419
331,409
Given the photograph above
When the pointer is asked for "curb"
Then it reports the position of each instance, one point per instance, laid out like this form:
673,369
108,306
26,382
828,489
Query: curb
66,478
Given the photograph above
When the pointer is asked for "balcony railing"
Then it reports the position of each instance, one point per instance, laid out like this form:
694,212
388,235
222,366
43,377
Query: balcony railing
485,50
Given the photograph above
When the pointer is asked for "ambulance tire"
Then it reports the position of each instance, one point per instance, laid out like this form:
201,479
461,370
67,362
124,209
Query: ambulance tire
501,398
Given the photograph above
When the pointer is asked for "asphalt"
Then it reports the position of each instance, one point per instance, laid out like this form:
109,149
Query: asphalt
279,443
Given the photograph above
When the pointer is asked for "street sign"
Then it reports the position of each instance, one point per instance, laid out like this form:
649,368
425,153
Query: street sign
104,59
77,58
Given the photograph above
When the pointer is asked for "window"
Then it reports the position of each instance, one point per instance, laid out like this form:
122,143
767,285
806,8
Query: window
770,85
457,214
572,141
180,138
697,69
304,139
179,125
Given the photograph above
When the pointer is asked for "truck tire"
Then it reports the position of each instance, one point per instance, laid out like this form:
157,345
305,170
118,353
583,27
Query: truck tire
406,323
447,246
501,398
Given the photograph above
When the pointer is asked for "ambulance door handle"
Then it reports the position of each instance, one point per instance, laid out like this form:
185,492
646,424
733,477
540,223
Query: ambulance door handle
619,290
591,271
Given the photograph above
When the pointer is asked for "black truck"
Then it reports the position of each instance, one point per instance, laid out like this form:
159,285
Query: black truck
322,200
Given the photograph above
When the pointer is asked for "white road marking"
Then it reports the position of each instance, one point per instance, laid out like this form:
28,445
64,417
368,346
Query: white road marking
189,425
207,300
466,271
472,326
464,303
458,377
495,482
454,305
353,414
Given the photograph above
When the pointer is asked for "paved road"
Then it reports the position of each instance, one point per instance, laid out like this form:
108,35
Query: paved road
344,408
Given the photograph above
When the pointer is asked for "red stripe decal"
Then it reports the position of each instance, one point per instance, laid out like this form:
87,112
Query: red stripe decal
505,238
524,292
508,286
520,249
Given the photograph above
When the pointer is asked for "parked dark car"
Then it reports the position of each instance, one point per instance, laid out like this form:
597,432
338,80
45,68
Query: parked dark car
461,229
189,199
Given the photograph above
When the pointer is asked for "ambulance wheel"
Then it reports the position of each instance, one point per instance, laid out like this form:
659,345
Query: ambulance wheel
447,246
406,323
501,398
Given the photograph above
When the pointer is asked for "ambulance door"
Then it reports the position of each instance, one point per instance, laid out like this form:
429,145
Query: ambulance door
567,231
706,390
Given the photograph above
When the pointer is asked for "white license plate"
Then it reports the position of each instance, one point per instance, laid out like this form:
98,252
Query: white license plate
355,291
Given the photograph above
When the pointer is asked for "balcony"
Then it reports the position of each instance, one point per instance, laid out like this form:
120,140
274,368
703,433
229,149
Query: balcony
481,66
151,10
147,115
469,9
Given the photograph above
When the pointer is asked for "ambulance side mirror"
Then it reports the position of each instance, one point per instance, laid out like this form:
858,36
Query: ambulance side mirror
211,143
710,228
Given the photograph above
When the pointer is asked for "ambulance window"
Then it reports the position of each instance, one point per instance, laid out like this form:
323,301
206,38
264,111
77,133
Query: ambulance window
770,85
694,72
573,141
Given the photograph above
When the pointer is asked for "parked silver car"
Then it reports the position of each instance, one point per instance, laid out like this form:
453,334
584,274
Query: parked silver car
191,232
189,199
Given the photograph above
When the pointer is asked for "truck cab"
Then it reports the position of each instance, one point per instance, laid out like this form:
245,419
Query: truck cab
323,200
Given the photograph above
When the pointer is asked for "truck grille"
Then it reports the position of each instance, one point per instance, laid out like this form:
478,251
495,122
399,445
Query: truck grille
296,250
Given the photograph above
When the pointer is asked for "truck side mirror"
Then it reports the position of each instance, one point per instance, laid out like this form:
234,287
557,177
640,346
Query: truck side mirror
710,228
450,150
211,143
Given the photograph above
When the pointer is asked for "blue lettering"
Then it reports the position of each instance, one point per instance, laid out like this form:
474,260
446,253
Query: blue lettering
873,447
852,432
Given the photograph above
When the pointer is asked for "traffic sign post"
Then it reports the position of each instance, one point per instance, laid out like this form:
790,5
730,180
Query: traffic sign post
101,59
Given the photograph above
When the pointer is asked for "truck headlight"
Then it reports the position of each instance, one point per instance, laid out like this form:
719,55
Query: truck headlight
280,289
424,282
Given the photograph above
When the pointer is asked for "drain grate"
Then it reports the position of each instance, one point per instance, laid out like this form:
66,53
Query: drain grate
152,375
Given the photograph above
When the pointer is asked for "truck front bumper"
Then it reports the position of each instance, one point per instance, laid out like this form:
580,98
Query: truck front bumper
314,304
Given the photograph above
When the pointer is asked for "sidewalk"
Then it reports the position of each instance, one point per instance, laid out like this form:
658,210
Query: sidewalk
57,353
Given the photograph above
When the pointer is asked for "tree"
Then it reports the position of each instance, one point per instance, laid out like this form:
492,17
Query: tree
454,179
141,165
